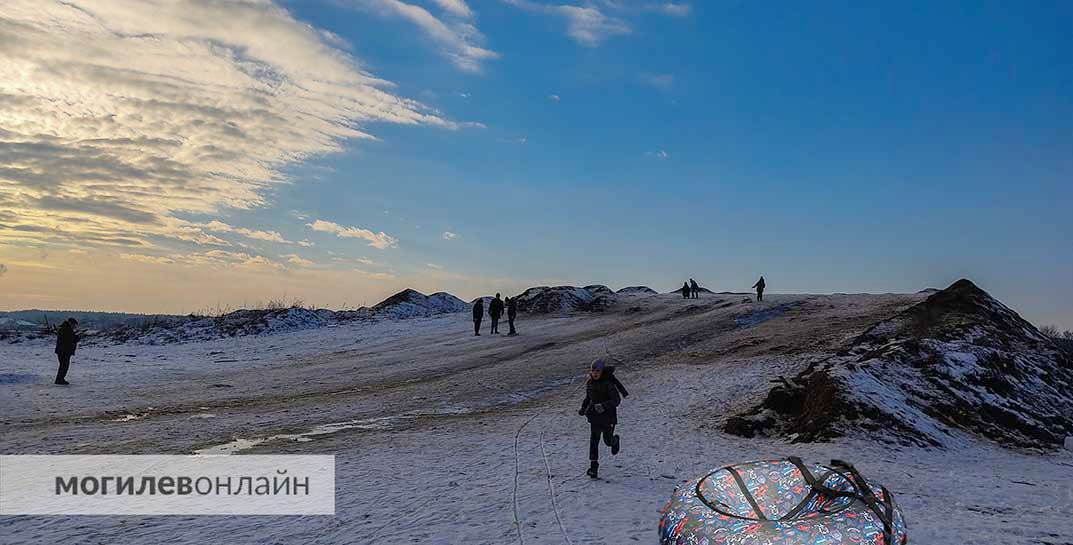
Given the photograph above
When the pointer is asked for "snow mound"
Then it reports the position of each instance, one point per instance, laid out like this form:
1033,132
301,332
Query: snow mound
565,299
960,361
637,290
410,303
599,289
233,324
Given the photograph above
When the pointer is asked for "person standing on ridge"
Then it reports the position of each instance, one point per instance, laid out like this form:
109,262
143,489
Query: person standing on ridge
478,316
600,408
66,343
495,310
685,290
512,313
694,289
759,285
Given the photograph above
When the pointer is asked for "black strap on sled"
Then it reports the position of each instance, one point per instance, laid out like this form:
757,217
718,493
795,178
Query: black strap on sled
748,495
883,509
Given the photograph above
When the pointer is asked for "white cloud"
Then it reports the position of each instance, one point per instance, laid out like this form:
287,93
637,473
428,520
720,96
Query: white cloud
379,240
587,25
117,116
434,266
459,41
458,8
306,243
295,259
554,98
447,235
674,9
659,154
269,236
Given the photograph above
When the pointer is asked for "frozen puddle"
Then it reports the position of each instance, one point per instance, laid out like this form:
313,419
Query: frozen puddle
378,423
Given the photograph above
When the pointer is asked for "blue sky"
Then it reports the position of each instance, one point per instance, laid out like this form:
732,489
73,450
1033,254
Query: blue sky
832,147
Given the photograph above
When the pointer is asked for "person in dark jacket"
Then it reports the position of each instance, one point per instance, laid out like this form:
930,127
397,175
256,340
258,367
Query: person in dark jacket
66,343
685,290
759,285
512,313
600,407
694,289
478,317
495,310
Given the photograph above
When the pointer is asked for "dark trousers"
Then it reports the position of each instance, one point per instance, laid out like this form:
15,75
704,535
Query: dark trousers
595,432
759,295
510,321
495,324
694,293
65,363
477,326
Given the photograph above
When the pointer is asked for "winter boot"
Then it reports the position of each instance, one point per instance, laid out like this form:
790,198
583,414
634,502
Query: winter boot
615,446
594,469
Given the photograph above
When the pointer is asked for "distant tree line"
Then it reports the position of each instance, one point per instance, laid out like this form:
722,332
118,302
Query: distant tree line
1053,332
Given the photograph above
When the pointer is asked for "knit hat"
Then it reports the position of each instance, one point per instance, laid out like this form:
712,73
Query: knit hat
598,364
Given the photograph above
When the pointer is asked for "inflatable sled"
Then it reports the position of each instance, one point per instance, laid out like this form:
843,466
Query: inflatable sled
782,502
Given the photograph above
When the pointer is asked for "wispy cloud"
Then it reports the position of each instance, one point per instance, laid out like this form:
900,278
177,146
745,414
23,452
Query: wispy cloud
295,259
118,117
458,39
434,266
674,9
458,8
658,154
379,240
554,98
662,82
587,25
447,235
269,236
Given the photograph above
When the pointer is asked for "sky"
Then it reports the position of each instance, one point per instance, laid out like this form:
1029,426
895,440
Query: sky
161,156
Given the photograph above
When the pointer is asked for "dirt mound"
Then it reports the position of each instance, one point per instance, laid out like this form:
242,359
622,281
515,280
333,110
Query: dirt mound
410,303
960,361
637,290
565,299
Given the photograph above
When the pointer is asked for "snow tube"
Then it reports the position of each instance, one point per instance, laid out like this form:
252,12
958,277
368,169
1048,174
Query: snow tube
782,502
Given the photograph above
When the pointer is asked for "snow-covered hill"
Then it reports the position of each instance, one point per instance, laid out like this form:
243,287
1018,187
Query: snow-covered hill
960,361
412,303
563,299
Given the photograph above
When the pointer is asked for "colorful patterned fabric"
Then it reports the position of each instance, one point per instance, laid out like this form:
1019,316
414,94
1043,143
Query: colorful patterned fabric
715,510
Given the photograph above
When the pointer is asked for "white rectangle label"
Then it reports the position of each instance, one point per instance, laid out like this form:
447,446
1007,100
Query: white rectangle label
167,485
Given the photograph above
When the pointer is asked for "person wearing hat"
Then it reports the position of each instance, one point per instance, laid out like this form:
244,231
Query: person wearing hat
600,408
66,343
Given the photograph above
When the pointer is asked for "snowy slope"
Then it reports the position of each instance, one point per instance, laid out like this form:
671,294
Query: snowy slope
959,361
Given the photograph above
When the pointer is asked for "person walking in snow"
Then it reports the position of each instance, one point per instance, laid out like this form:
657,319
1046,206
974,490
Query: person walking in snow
66,343
600,407
512,313
759,285
495,310
694,289
685,290
478,316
